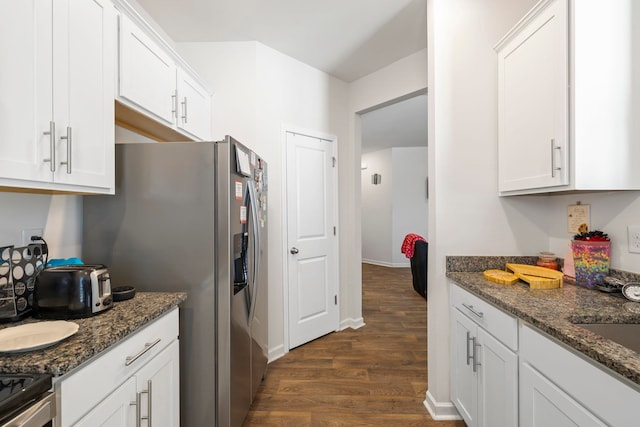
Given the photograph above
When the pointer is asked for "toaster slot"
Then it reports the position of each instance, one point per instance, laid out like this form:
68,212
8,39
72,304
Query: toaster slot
104,284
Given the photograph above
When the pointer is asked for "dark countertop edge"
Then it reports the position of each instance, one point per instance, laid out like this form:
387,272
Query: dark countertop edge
621,360
13,363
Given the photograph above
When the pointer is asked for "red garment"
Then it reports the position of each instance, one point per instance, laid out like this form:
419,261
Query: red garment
408,244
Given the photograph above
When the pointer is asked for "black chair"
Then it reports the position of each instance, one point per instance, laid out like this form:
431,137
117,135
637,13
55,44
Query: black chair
419,267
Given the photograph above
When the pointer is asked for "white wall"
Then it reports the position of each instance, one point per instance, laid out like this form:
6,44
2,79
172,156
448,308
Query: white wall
230,70
295,94
611,212
410,207
466,216
377,207
59,216
257,91
400,80
394,208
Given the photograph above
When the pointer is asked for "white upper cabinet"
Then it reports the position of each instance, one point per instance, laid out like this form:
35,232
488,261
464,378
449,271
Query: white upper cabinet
83,85
147,73
27,90
533,102
56,109
157,94
567,97
194,106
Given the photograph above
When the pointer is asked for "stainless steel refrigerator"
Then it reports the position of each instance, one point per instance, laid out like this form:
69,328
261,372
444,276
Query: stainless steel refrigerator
193,217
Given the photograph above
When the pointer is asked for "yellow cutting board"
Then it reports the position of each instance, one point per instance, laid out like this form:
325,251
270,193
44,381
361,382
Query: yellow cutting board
537,273
500,276
540,282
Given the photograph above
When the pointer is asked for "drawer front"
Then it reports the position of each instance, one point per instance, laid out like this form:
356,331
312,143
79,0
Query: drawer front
501,325
87,385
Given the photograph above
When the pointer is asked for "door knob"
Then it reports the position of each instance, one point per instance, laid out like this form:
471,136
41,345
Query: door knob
294,250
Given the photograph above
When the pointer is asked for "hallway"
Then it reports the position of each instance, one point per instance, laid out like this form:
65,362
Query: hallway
372,376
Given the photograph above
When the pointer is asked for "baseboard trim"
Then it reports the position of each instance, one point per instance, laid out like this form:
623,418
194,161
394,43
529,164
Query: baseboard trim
388,264
276,353
351,323
441,411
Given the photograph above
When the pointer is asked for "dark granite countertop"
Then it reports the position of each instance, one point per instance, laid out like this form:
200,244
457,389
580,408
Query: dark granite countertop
95,334
557,311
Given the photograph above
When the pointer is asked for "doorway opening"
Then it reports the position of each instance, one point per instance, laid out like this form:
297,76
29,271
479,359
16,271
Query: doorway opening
394,179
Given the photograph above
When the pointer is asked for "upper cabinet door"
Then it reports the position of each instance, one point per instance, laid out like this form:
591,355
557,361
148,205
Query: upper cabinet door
147,73
84,80
26,112
533,99
194,109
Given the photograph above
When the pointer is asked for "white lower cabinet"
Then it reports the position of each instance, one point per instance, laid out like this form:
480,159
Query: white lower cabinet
115,410
544,404
497,383
150,396
157,385
560,387
505,372
134,383
484,374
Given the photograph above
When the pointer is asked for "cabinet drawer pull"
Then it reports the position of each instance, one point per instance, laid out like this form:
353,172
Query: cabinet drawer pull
52,146
471,309
148,346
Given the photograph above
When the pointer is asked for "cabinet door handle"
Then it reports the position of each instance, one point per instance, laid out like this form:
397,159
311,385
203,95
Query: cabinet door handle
52,146
554,147
473,310
69,142
149,396
468,352
475,355
137,404
148,346
184,109
148,392
174,104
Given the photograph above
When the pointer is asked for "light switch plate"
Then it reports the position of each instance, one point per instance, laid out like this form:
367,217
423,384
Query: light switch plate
633,233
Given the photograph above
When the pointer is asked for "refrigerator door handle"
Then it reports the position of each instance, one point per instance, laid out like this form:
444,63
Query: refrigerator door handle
256,246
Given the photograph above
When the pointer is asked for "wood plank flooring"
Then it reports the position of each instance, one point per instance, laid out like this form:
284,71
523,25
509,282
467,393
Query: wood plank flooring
372,376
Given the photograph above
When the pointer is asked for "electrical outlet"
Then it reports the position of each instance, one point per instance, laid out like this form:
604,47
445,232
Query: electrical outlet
633,233
28,232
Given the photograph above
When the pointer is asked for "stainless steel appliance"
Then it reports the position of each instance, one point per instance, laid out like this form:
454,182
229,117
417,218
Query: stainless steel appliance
193,216
72,292
25,400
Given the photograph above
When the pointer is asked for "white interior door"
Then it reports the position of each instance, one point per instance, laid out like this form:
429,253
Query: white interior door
311,237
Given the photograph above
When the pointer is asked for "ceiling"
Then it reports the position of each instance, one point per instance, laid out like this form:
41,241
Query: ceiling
403,124
345,38
348,39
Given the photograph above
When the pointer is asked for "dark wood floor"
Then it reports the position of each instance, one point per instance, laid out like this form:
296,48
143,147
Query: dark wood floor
372,376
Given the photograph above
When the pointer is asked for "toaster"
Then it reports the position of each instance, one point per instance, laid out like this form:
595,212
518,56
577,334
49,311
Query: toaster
72,292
